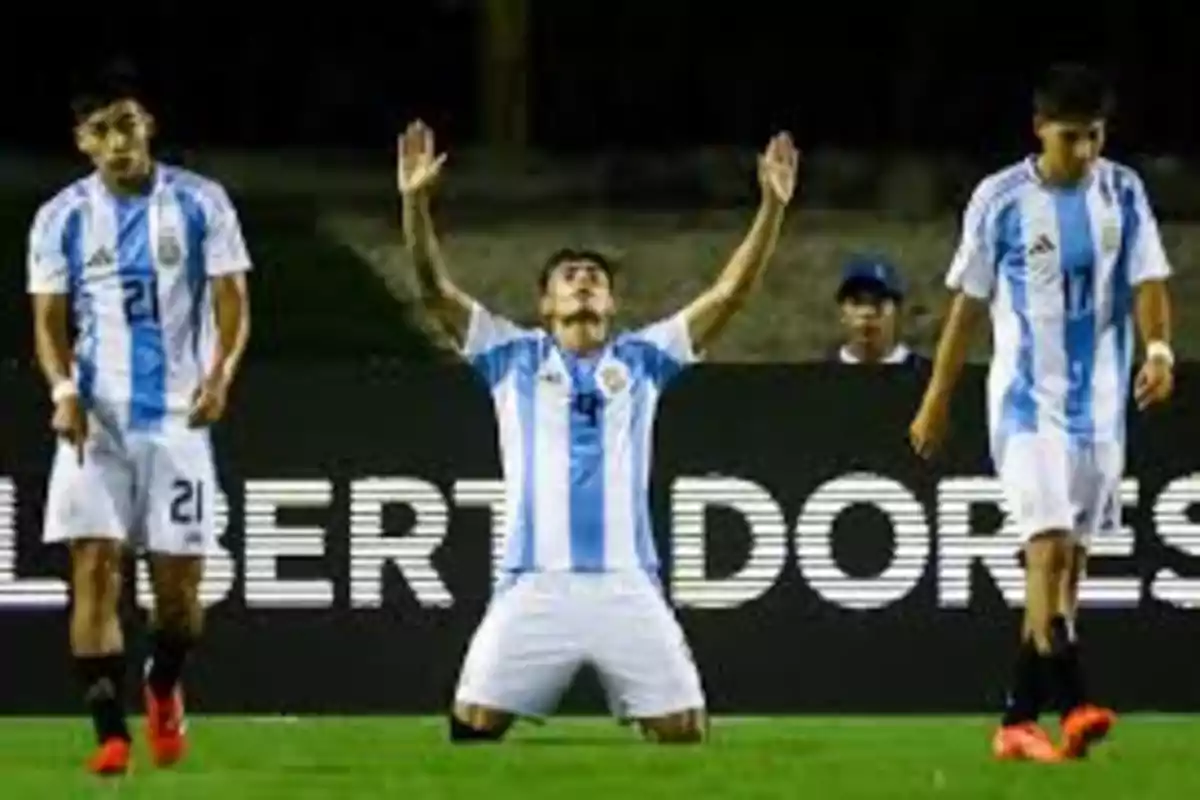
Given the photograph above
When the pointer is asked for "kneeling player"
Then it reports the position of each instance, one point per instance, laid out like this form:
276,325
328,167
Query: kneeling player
144,254
575,408
1065,250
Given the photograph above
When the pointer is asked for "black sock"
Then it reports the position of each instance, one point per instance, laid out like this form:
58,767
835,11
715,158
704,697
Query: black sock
1025,696
168,655
1069,689
103,679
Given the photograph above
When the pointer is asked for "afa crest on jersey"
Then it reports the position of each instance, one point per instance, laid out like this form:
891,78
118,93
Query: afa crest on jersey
169,251
614,378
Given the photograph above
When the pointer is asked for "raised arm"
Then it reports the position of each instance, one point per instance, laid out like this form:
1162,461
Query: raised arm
417,175
707,315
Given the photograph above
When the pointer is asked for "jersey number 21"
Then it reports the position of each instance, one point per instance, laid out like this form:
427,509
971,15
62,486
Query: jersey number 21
141,300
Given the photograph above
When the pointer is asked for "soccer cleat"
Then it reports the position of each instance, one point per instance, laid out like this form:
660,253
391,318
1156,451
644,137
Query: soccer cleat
1083,727
166,727
112,758
1024,742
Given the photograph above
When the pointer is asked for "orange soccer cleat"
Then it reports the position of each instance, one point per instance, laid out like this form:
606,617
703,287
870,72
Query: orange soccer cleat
112,758
1083,727
1025,742
166,728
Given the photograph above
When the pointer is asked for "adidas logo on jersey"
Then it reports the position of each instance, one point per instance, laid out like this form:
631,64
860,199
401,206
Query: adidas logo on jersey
1041,246
101,258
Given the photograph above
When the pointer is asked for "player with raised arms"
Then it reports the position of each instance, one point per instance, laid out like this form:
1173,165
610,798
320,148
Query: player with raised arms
575,405
1064,251
146,262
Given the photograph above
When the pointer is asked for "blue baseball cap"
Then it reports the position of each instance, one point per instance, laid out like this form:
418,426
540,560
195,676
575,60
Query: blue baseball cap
871,274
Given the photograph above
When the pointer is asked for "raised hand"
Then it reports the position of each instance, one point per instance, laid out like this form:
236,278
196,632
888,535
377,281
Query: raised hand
777,168
418,167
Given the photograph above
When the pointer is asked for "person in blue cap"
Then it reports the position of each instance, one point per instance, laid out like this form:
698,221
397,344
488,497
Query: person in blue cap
870,296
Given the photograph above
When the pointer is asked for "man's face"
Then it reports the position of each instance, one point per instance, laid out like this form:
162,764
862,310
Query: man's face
1070,147
117,139
869,318
578,291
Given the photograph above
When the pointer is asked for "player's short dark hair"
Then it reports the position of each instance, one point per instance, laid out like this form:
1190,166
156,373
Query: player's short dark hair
95,89
566,254
1074,92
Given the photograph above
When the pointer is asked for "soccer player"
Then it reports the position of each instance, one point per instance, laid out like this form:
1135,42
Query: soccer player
1064,250
575,405
145,260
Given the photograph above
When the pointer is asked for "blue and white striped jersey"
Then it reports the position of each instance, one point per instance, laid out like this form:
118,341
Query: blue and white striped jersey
1058,266
575,440
137,270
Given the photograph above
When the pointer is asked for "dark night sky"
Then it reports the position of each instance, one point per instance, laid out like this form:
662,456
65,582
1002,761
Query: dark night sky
620,73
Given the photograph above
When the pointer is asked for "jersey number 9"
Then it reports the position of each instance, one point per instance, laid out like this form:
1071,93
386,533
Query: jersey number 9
141,300
588,404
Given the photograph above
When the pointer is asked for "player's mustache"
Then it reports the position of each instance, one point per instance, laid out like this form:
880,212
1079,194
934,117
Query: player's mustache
582,315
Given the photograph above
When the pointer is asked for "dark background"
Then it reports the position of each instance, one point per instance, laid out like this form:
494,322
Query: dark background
788,650
618,105
610,74
602,76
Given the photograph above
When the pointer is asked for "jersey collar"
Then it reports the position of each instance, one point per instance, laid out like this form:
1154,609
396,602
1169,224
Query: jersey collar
899,355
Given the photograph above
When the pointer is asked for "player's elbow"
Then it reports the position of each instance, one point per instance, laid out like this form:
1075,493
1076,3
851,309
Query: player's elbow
49,318
231,297
439,298
434,303
724,300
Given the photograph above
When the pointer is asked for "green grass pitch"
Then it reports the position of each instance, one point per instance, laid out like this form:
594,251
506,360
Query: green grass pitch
574,759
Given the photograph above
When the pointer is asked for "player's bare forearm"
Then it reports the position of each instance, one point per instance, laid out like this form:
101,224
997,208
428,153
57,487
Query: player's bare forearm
708,314
438,293
231,307
1153,312
51,337
953,345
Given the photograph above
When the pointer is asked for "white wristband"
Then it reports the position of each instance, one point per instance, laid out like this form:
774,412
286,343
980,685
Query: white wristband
1160,350
62,390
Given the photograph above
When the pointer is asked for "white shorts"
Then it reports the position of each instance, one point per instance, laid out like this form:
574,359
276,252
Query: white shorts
538,632
156,491
1052,485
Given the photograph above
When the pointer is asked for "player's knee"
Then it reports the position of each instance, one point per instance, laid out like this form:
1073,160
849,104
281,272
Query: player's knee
95,597
470,724
177,605
96,576
687,727
1049,552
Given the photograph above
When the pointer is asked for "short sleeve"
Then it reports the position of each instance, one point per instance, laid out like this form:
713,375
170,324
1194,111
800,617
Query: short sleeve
665,348
492,342
46,260
487,331
973,269
225,251
672,338
1147,257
